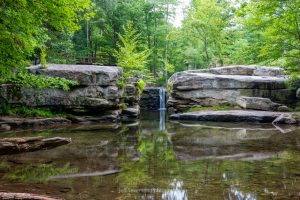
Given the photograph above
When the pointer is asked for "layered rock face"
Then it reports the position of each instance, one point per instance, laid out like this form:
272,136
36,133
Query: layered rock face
97,91
230,86
150,98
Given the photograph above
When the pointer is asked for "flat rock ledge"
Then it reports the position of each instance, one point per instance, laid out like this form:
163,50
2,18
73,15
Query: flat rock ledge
21,145
8,123
237,116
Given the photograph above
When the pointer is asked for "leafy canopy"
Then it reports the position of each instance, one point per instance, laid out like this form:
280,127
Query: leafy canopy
24,26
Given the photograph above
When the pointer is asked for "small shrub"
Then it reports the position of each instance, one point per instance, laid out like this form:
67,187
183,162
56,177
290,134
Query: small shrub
141,86
43,58
293,82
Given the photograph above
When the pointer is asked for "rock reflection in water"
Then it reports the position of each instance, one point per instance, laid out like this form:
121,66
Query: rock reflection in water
185,161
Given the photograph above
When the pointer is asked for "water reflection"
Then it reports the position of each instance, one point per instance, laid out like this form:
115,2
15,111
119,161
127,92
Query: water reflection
235,193
176,193
163,160
162,120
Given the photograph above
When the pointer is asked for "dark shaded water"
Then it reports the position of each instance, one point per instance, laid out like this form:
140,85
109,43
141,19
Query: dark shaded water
160,160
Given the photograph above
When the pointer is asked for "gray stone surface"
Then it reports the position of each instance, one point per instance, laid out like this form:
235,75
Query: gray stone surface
83,74
150,98
97,92
230,116
225,85
285,118
257,103
90,97
131,111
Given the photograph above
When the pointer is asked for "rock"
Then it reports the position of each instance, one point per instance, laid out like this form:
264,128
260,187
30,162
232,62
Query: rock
97,92
245,70
86,75
14,122
257,103
4,127
229,116
283,109
285,118
21,145
131,111
227,85
150,98
90,97
131,95
193,81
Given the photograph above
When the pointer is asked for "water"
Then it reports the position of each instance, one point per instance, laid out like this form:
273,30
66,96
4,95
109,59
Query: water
162,99
162,109
182,161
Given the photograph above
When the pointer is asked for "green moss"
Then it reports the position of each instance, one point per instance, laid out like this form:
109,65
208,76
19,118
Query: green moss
214,108
4,166
24,111
26,79
37,174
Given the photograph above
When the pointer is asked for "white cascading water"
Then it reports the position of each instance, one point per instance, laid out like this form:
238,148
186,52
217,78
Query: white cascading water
162,109
162,99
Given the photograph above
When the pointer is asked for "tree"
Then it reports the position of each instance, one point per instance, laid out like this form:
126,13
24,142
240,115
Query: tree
130,55
277,23
25,26
205,25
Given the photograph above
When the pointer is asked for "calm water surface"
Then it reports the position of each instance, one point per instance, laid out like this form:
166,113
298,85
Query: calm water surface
161,160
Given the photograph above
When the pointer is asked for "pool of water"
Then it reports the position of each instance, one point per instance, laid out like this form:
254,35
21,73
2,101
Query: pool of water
160,160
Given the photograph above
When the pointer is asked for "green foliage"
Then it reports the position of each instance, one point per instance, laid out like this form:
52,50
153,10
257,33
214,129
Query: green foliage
141,86
129,57
205,30
24,111
293,82
37,174
4,166
276,25
43,58
26,79
25,25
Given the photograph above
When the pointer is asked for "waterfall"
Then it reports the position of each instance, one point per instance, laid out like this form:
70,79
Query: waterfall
162,109
162,99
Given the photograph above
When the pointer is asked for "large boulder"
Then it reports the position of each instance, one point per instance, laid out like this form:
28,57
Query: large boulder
85,75
97,91
226,86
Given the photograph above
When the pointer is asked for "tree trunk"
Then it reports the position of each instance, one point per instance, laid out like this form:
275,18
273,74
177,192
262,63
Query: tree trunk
155,46
21,145
24,196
